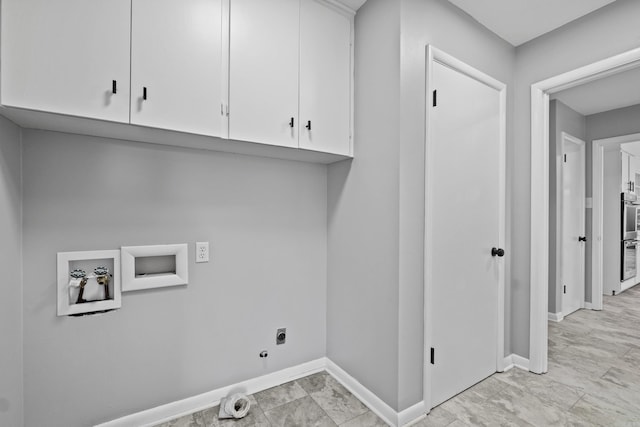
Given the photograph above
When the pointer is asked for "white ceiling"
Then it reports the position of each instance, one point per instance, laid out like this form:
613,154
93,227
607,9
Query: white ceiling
518,21
617,91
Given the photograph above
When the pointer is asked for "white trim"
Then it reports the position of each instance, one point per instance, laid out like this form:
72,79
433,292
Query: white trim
377,406
434,54
176,409
540,190
131,282
412,414
172,410
556,317
514,361
339,7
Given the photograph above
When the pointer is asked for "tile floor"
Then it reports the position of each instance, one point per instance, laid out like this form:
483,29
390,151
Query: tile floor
593,380
314,401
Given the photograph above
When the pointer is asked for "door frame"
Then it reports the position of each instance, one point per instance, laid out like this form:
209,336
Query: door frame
539,236
597,182
435,55
559,253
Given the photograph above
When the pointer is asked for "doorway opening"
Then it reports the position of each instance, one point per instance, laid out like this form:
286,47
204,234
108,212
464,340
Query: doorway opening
539,261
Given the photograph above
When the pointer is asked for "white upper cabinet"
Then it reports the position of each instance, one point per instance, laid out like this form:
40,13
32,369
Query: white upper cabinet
67,56
270,72
263,71
325,78
176,57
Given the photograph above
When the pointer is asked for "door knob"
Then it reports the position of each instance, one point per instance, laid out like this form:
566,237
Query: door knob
582,238
497,252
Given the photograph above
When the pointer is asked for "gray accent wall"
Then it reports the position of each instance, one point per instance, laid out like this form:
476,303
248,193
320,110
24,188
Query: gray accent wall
601,34
561,119
376,202
11,353
266,223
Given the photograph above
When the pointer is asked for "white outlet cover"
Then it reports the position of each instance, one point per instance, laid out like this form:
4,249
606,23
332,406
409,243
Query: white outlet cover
202,251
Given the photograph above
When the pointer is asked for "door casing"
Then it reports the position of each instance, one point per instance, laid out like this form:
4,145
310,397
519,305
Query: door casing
435,55
539,236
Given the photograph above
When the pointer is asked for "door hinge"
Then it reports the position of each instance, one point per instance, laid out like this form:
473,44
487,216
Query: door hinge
433,355
565,289
435,98
565,158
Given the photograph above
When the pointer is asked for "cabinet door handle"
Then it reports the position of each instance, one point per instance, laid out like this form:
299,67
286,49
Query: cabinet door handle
308,126
291,122
114,86
144,93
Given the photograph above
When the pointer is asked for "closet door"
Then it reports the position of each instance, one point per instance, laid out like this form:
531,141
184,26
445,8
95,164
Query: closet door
263,71
325,81
67,56
176,59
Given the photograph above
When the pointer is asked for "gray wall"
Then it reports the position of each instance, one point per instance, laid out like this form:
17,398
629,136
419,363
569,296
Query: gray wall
561,119
11,365
362,304
623,121
376,202
265,220
606,32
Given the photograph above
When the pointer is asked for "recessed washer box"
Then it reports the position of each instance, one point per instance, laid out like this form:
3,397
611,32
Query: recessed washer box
155,266
95,297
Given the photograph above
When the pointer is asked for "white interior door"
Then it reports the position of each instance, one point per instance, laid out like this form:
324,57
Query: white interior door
176,65
573,224
263,71
465,219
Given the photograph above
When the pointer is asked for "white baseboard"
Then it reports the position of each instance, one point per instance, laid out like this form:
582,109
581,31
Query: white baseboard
556,317
515,361
377,406
412,414
209,399
206,400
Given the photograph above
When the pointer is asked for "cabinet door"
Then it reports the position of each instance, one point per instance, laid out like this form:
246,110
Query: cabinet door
325,81
263,71
176,62
64,56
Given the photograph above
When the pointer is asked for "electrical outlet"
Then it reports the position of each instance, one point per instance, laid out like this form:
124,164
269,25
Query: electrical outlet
202,251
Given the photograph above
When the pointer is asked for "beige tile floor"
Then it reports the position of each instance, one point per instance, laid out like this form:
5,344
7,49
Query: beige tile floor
593,380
